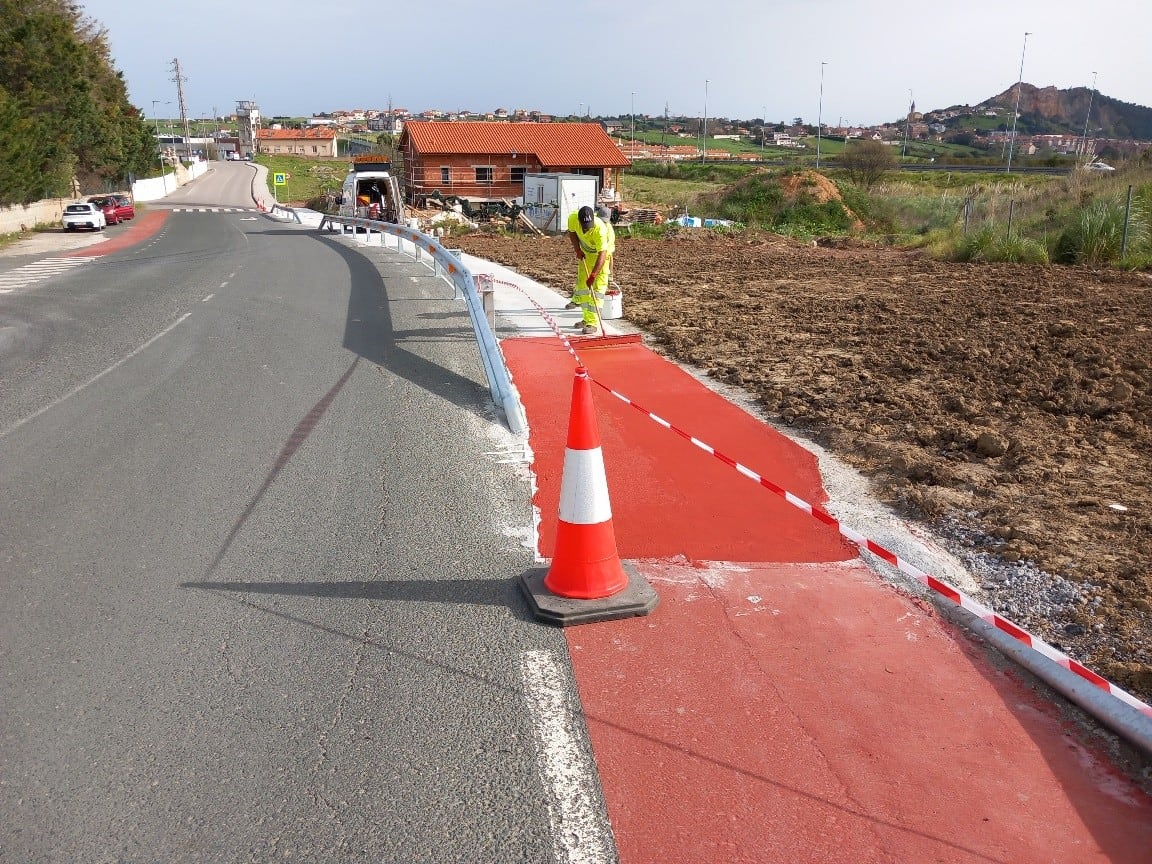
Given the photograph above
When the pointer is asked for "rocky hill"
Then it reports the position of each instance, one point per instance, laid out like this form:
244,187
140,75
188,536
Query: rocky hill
1050,110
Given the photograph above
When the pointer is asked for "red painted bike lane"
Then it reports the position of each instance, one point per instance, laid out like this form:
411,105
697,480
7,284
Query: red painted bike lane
141,228
783,703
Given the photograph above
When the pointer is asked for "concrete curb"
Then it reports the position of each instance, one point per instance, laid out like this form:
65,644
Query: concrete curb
1120,718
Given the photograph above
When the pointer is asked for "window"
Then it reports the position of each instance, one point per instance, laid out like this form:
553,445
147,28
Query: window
517,172
445,174
483,173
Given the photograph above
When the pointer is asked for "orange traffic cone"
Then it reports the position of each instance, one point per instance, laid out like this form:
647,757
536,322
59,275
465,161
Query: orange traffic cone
587,581
585,564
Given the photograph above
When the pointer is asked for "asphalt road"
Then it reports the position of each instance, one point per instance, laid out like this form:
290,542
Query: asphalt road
260,532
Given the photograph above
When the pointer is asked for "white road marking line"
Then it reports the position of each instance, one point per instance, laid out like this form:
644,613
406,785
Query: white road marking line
580,833
209,297
37,271
96,378
212,210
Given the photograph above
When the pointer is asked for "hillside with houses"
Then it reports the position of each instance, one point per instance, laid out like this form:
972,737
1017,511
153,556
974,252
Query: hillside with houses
1077,122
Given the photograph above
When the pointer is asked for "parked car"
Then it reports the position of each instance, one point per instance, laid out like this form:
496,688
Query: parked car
1098,166
107,205
83,214
125,208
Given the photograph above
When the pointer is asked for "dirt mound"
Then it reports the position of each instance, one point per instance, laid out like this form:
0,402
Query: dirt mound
771,192
810,185
814,186
1008,405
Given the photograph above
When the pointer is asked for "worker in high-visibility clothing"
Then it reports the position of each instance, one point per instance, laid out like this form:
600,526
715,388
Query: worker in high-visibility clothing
605,215
594,242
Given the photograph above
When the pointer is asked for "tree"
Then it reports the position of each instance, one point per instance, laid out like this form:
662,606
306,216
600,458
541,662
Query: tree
866,161
64,109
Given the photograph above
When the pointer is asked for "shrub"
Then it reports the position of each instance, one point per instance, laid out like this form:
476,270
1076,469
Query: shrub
990,244
1097,235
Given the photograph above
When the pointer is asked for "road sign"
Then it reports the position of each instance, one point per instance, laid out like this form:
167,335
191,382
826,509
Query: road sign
280,178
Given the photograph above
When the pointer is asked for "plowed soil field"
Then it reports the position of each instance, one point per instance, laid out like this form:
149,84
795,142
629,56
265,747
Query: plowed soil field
1008,407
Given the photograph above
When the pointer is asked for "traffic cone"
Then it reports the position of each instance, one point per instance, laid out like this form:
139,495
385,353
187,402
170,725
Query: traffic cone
586,581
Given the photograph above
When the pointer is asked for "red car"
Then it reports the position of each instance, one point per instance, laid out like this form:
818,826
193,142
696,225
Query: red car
107,204
125,209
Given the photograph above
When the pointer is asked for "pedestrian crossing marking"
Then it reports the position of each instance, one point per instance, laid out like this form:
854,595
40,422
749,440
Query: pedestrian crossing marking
38,271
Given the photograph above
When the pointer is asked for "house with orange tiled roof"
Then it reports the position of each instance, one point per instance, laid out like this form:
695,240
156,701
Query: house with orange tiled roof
316,141
487,161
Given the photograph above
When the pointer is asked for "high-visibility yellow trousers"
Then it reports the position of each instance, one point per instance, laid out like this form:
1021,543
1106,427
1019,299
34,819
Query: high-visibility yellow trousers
591,300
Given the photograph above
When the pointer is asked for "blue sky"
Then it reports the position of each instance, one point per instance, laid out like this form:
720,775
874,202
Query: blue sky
730,58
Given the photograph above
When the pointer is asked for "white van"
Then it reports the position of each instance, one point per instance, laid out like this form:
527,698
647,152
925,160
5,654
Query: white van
370,191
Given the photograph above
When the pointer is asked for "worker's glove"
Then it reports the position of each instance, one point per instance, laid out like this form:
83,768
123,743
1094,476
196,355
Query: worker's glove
590,281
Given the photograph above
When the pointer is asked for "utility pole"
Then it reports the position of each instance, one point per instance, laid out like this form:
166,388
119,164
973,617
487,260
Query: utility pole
180,79
1016,112
216,126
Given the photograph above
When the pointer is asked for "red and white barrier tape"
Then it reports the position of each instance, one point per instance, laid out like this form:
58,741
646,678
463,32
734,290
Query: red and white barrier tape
939,586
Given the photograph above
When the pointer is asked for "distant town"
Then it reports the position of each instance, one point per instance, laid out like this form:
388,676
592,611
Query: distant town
984,127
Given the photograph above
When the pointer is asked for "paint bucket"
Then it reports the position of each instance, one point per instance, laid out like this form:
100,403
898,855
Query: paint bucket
612,307
414,224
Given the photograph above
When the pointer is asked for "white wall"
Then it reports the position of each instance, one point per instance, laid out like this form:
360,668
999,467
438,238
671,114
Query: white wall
155,188
20,218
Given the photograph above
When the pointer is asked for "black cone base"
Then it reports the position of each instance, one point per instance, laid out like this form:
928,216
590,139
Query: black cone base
638,598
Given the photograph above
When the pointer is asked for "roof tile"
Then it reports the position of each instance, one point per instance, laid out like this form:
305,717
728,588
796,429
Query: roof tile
576,145
296,134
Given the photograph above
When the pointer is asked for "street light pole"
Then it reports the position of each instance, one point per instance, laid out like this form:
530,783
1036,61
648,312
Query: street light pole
820,113
159,149
1084,136
632,153
907,125
704,128
1016,112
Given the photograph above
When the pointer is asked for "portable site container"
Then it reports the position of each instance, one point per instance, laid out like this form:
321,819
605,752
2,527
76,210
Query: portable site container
549,199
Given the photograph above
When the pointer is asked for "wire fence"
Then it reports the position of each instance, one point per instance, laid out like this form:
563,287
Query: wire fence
1039,213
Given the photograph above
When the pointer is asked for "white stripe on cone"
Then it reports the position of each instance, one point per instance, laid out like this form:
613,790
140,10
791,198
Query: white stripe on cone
584,488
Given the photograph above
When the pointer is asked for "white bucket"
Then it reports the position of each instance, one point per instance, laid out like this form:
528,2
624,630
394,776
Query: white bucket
612,307
414,224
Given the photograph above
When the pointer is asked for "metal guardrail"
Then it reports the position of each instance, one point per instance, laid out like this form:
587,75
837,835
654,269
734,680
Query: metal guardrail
446,265
279,211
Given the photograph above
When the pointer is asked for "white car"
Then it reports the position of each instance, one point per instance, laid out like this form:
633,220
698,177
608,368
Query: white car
84,214
1098,166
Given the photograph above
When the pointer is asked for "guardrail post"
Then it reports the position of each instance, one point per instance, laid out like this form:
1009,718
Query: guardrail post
487,289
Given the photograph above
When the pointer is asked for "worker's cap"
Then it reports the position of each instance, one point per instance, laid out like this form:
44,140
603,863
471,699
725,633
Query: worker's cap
586,217
604,213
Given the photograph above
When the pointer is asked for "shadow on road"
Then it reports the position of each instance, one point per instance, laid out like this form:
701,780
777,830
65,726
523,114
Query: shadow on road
467,592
